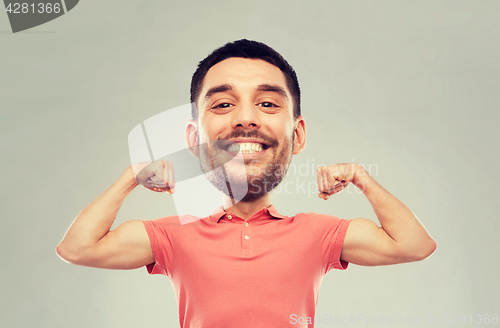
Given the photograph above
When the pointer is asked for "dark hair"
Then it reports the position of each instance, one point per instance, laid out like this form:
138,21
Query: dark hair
245,49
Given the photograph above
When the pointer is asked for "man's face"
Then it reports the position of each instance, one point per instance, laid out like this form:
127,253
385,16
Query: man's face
246,107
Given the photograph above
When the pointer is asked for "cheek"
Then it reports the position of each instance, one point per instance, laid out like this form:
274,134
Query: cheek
203,133
211,129
281,125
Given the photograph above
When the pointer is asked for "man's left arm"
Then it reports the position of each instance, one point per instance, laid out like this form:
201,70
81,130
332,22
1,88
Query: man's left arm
401,238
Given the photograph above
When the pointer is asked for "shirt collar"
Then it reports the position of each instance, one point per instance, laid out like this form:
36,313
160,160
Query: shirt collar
270,211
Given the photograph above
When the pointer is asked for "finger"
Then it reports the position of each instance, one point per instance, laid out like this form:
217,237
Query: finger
323,195
157,184
165,174
337,185
151,176
320,178
158,172
326,183
169,168
341,186
157,176
171,175
335,188
338,175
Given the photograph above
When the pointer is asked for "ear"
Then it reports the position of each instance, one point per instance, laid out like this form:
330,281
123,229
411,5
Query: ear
191,137
299,142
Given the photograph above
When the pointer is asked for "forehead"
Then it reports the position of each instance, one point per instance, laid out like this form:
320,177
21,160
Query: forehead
243,73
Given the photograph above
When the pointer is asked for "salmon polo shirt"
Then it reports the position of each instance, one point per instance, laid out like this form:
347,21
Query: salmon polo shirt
258,272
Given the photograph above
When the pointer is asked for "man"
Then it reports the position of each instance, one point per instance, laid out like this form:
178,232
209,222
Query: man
245,265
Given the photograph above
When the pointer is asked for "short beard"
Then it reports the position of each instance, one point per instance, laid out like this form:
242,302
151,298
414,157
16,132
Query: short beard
255,186
272,175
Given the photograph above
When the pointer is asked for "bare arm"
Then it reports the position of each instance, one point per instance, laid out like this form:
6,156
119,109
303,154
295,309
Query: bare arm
401,238
90,242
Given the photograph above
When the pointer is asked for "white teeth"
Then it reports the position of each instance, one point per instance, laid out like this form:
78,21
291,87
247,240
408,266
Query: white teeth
248,147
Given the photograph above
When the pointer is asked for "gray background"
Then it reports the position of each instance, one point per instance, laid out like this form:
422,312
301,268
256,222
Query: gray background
408,87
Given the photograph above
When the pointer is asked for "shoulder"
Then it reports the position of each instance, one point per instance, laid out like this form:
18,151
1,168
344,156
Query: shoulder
175,221
317,217
163,222
321,222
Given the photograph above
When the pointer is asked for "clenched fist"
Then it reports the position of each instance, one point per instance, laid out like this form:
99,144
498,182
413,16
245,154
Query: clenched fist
334,178
156,176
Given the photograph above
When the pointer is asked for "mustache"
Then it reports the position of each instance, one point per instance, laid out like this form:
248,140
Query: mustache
272,142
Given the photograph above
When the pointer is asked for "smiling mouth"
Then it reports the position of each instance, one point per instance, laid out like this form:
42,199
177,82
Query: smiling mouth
246,147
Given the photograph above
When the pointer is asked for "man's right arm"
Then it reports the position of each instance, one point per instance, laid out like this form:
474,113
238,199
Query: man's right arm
89,241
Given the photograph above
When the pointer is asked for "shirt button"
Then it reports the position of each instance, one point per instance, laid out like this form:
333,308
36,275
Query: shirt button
246,224
246,237
229,217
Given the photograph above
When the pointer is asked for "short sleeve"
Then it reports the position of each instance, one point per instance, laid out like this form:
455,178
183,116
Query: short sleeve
332,232
161,233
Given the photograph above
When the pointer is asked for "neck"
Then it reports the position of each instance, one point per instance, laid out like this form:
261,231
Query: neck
246,209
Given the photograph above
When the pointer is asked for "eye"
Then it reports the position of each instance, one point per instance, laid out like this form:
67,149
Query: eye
267,104
269,107
222,106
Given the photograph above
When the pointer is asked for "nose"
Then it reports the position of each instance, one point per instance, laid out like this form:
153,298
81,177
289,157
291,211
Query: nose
246,116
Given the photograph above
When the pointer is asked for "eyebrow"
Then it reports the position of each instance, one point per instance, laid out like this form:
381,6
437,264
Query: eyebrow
273,88
217,89
261,87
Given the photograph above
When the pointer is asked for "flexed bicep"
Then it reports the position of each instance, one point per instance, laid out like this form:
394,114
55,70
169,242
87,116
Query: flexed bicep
366,243
126,247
